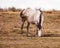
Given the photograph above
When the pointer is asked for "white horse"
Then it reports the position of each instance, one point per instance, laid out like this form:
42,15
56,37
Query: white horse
33,16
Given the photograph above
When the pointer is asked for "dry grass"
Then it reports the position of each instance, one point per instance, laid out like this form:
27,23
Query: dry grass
10,24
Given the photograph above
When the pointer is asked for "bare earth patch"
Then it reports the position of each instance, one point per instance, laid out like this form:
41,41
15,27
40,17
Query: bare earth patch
10,37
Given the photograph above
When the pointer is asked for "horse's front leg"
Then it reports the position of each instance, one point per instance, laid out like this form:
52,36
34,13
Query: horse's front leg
22,27
38,33
27,28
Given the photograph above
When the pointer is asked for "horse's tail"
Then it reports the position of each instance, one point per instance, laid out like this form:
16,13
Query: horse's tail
21,13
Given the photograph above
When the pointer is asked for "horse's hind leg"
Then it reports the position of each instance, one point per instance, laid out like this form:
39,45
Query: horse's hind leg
28,28
22,27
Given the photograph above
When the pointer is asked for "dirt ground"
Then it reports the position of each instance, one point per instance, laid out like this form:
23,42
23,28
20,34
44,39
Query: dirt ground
10,37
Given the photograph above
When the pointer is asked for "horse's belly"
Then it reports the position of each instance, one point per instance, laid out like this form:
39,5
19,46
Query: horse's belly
33,19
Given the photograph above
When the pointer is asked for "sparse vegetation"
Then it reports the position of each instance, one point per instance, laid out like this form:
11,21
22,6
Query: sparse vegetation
10,9
10,37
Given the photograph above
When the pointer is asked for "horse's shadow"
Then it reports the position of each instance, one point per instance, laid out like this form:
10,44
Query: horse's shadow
43,35
51,35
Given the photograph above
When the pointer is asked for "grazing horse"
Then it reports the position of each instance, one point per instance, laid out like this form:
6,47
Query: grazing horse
33,16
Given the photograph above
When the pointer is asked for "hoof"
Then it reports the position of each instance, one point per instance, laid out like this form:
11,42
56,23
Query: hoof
27,36
35,35
21,33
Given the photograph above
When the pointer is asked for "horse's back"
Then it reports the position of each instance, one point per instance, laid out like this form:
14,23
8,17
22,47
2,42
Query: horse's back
28,12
